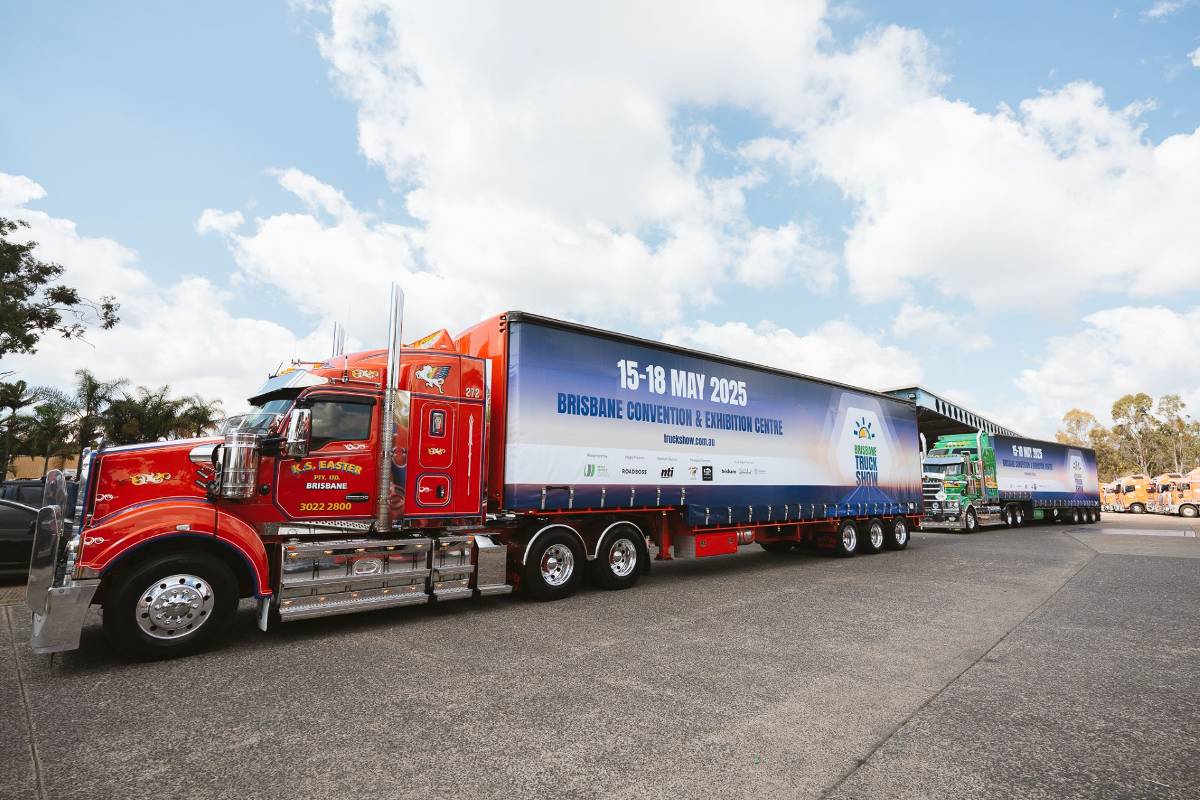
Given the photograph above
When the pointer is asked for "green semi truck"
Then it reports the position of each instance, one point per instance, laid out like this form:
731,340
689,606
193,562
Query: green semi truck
975,479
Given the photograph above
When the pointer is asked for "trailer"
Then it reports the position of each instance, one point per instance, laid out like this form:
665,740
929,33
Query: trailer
972,480
526,453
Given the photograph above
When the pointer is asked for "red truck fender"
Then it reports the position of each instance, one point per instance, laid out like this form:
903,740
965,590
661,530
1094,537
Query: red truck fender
107,545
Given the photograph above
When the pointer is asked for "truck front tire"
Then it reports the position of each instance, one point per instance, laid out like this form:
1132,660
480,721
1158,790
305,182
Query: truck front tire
170,605
554,567
970,521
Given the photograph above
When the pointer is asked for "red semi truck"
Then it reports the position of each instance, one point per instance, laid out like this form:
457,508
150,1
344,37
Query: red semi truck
526,452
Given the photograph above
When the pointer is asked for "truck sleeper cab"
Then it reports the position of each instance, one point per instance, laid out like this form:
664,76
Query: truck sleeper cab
413,475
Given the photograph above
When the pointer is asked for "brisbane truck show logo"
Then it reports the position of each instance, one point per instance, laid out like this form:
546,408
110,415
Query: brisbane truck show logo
866,456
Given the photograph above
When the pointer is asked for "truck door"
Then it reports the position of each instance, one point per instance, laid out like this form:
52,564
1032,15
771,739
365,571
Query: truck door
445,457
336,480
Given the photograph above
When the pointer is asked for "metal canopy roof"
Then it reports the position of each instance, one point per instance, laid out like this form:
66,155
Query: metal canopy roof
937,416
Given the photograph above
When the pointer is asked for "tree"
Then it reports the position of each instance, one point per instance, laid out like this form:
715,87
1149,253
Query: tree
1109,463
49,430
14,397
200,416
147,416
89,399
1136,431
31,304
1077,427
1178,434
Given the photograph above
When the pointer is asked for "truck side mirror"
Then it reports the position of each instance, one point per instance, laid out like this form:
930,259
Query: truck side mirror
299,432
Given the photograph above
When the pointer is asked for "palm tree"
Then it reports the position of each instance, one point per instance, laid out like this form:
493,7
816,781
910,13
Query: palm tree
200,416
48,432
89,400
13,397
146,417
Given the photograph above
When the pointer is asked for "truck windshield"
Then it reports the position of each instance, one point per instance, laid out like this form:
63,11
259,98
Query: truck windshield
946,469
260,419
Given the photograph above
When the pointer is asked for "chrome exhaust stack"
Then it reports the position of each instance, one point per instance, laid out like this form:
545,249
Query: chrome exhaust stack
394,417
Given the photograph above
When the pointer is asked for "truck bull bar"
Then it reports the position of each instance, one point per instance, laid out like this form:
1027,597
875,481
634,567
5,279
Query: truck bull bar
57,600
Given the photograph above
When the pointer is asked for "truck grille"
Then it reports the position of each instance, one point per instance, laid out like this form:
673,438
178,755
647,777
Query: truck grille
929,490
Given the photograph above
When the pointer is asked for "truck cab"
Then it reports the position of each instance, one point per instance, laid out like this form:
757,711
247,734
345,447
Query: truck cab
959,485
1184,499
1133,493
353,483
1158,493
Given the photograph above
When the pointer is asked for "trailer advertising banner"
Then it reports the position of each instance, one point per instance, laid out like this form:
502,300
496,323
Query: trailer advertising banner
1046,470
594,421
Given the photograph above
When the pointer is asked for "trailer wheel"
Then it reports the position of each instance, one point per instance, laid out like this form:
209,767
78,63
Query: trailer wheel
896,537
972,521
1137,508
618,563
1076,516
552,569
873,536
1187,511
169,606
777,547
845,543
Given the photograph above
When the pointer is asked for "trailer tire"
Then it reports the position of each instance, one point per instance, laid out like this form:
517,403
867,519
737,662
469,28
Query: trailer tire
971,522
620,558
170,605
873,536
845,542
553,567
896,535
1187,511
1137,508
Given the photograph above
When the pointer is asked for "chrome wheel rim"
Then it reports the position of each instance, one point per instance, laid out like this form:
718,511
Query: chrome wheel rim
558,564
901,533
174,606
876,534
622,558
849,537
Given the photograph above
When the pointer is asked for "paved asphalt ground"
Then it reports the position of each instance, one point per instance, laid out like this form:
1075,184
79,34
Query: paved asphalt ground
1044,662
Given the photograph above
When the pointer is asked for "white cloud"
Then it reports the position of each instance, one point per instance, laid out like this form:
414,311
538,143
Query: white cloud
1194,57
935,327
835,350
214,221
542,163
1119,350
1014,210
1163,9
181,333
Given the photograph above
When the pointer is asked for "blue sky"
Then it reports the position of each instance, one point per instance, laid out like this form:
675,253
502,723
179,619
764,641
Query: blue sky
134,121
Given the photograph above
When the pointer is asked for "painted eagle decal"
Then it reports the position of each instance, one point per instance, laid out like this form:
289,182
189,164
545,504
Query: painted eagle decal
433,376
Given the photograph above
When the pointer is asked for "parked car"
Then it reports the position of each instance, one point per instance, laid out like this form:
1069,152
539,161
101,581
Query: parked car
28,492
16,536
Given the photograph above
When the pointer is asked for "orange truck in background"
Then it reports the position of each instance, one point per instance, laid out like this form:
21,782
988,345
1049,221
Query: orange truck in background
1184,498
1108,496
1133,493
1159,491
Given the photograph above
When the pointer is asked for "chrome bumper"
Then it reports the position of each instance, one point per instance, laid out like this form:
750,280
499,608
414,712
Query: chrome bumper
941,522
57,600
56,628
